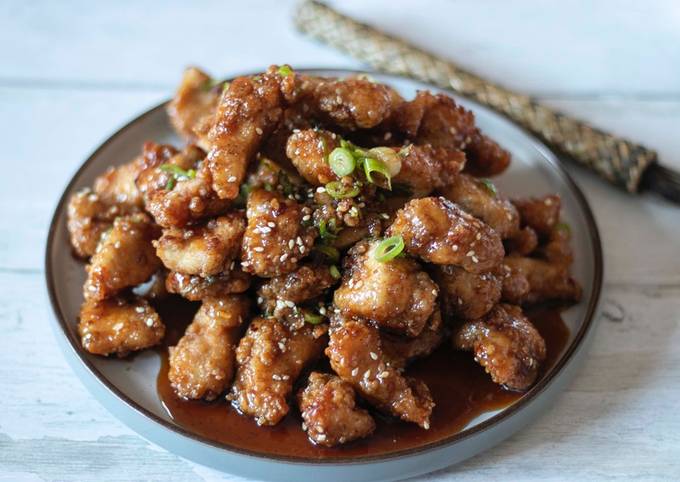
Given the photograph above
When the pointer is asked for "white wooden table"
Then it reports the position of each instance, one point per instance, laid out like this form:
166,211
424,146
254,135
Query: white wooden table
72,72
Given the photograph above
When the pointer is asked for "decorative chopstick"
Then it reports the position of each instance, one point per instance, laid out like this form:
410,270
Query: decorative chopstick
618,160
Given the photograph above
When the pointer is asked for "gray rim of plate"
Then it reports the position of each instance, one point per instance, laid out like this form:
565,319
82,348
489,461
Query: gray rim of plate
487,424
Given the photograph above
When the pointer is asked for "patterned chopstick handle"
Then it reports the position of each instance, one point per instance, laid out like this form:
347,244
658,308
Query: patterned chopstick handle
618,160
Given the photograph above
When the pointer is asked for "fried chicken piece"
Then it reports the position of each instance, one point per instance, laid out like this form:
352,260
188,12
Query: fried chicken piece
153,288
466,295
397,294
155,178
547,281
522,242
275,239
481,199
557,249
439,232
125,257
196,288
202,364
309,150
249,110
87,219
352,103
400,351
270,358
539,213
306,283
192,108
205,250
117,326
506,344
485,157
357,357
515,285
425,168
329,411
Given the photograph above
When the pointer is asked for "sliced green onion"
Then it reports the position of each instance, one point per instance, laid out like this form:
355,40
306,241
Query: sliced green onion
342,161
177,172
327,230
285,71
388,157
339,191
312,318
170,184
330,251
335,272
388,249
374,165
489,186
563,227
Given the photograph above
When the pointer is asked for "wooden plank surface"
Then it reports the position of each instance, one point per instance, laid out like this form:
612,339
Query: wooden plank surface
73,72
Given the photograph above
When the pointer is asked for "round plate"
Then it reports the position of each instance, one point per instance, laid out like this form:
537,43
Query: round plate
127,387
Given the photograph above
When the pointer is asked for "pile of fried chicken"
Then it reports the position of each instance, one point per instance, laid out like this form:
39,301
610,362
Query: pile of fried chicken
318,217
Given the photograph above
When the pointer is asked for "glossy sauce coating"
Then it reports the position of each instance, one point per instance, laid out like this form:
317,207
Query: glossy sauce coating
459,386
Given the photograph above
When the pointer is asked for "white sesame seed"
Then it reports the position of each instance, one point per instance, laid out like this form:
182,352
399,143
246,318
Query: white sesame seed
118,326
367,373
434,292
306,217
426,425
454,247
475,259
282,346
291,243
321,189
321,437
259,131
283,257
231,179
149,321
258,249
265,230
139,309
374,355
259,300
271,224
299,240
276,377
479,236
470,253
322,310
302,249
355,372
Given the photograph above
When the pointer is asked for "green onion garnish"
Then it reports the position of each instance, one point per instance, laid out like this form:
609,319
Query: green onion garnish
339,191
170,184
563,227
335,272
389,248
312,318
373,165
489,186
177,172
330,251
342,161
327,230
285,71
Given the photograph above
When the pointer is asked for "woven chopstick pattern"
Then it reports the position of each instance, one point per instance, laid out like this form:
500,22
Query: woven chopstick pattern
616,159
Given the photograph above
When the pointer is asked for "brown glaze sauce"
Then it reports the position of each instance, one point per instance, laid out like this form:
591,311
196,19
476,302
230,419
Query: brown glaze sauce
460,388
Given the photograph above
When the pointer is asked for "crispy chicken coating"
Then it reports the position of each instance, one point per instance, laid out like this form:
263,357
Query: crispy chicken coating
205,250
481,199
425,168
87,219
270,358
125,257
117,184
466,295
539,213
196,288
192,108
547,281
249,110
439,232
506,344
557,249
485,157
356,355
202,364
117,326
515,285
396,294
329,411
308,150
275,239
522,242
399,350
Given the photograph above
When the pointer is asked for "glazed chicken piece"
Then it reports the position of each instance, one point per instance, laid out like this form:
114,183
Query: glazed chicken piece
197,288
356,355
249,110
466,295
202,364
270,359
117,326
329,411
425,168
281,295
155,178
125,257
515,285
539,213
192,108
480,198
205,250
400,351
557,250
87,219
506,344
439,232
309,150
547,281
522,242
351,104
396,294
439,121
275,240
